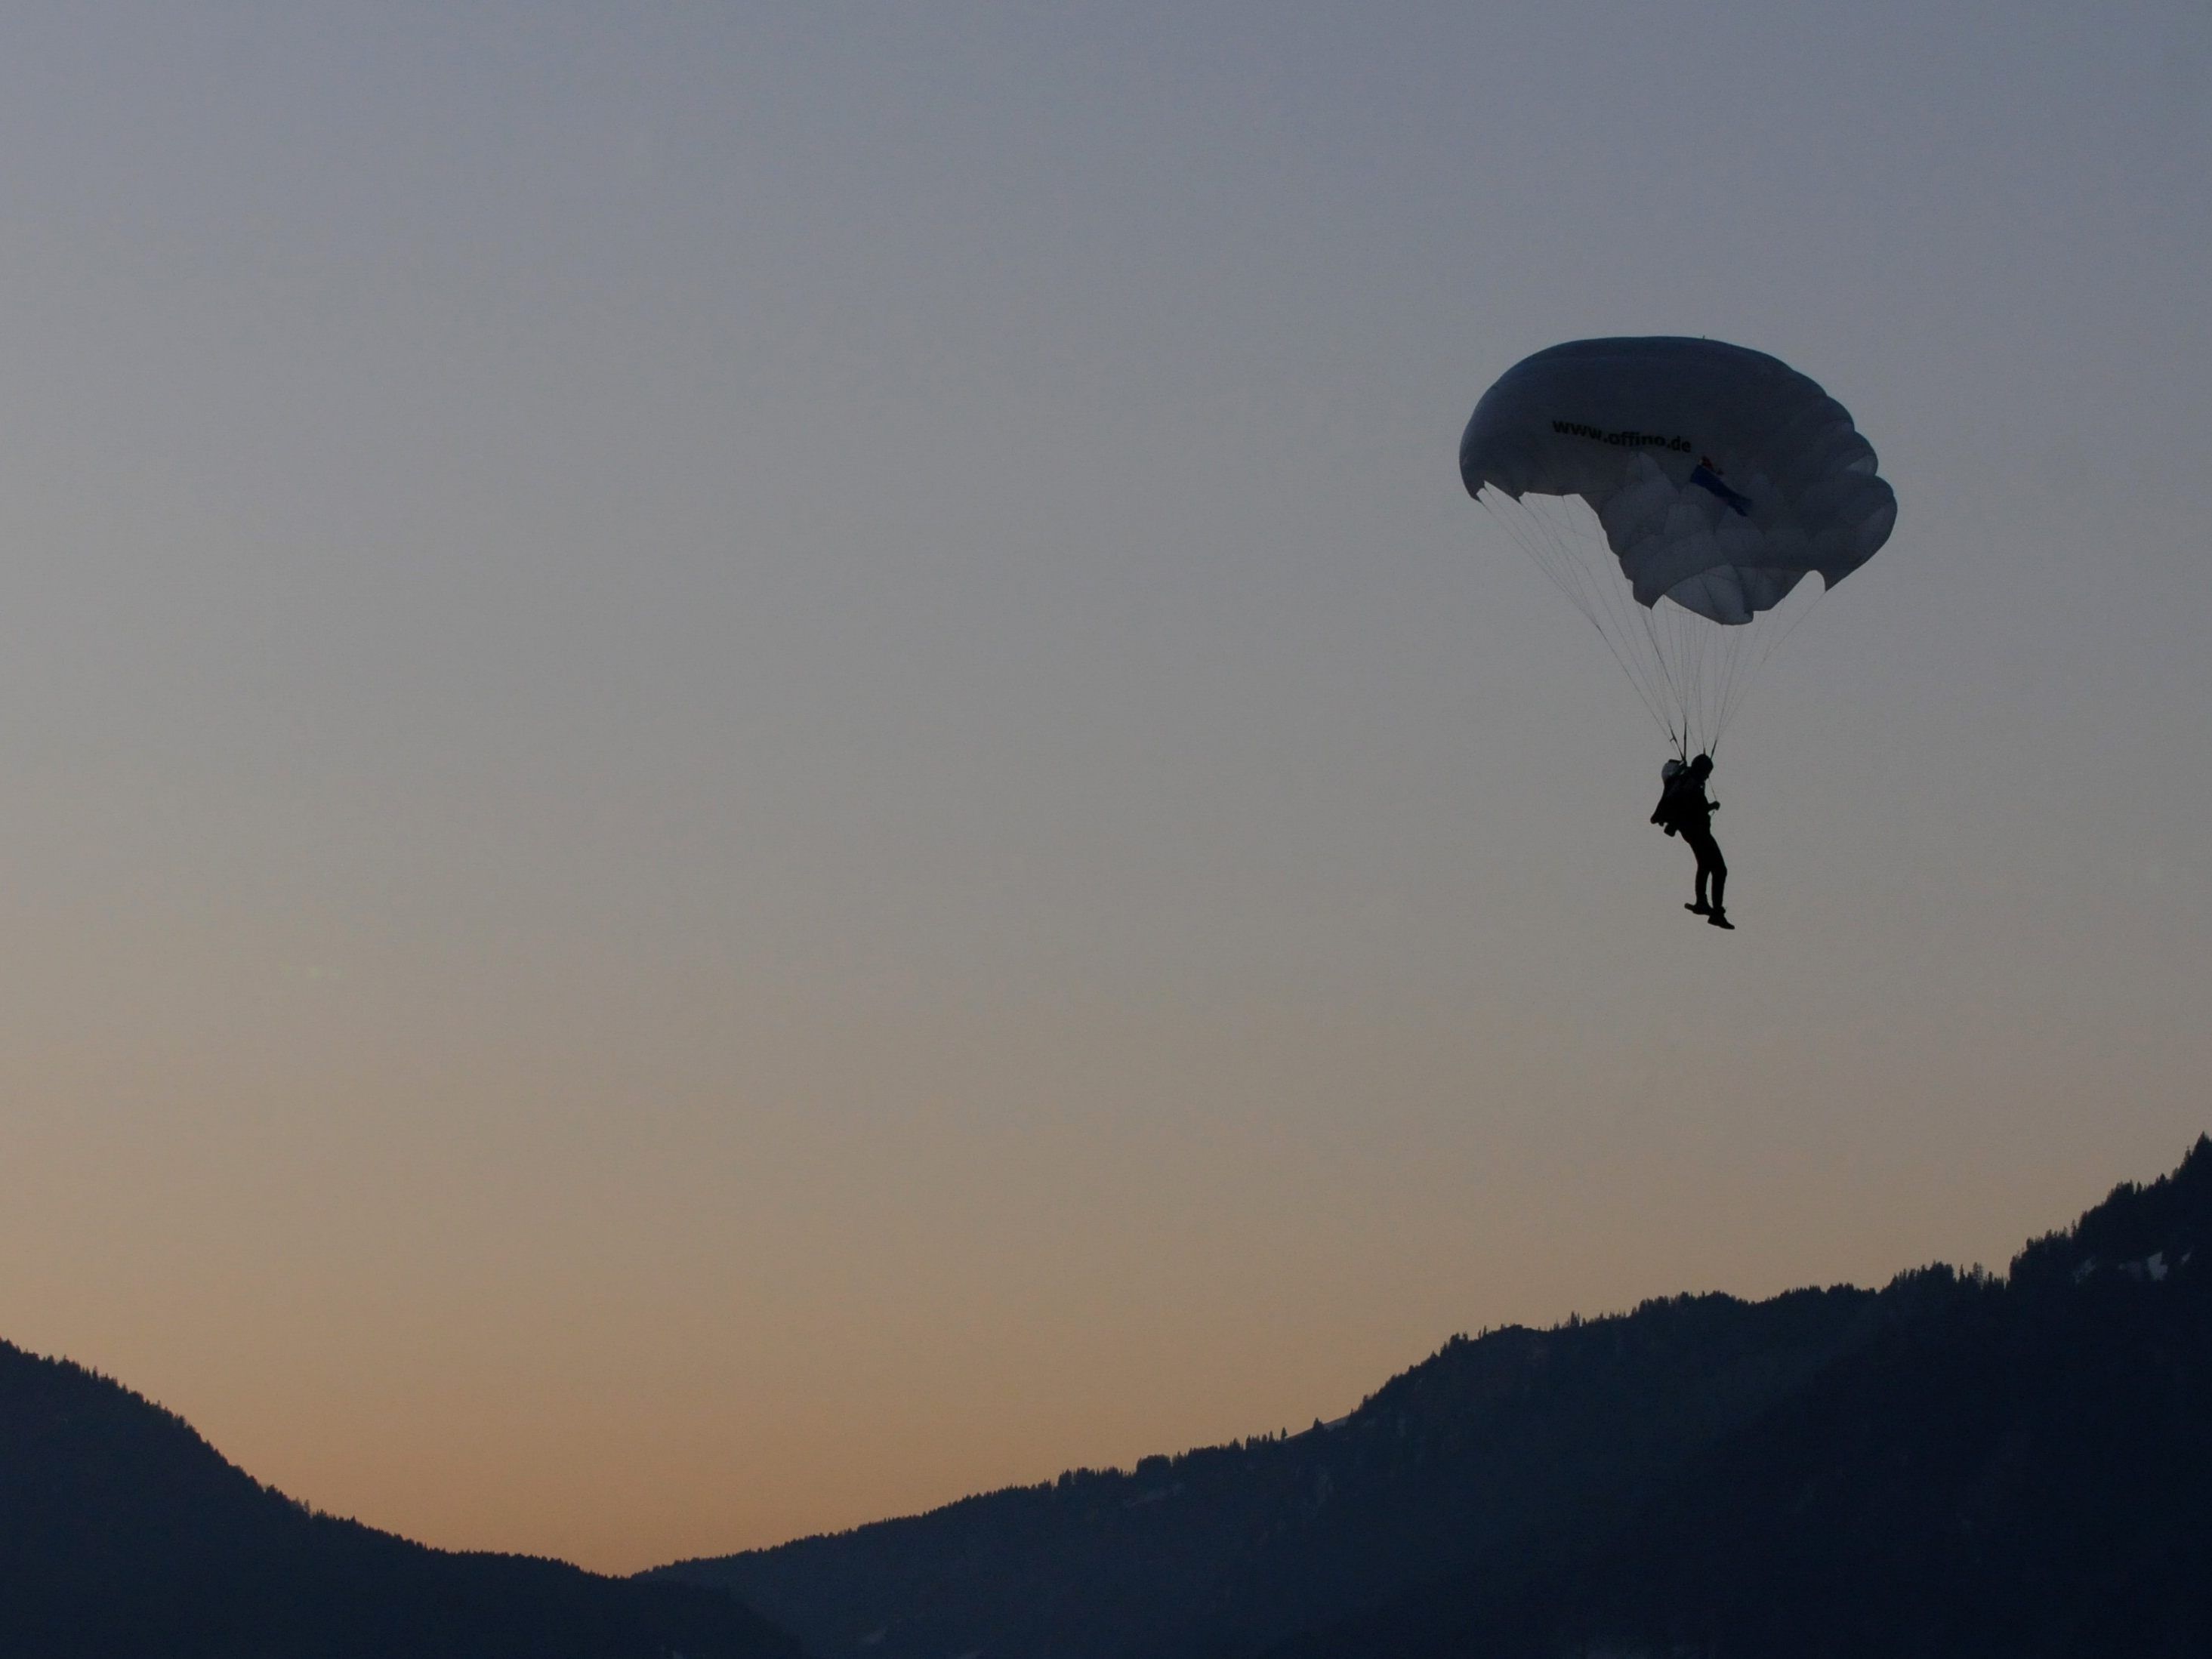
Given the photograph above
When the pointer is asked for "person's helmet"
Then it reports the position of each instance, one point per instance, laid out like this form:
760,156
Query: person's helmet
1702,767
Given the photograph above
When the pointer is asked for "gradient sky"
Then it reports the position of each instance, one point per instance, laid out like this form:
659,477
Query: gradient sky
759,765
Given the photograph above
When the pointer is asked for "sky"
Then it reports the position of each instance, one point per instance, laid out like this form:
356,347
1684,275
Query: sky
756,764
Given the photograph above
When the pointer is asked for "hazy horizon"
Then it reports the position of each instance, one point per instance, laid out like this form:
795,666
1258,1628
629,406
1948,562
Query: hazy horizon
762,767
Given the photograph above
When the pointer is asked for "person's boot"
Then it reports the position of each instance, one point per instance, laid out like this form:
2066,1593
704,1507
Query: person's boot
1719,919
1701,908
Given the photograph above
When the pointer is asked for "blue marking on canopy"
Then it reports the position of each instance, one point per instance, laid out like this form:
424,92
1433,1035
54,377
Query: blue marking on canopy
1741,505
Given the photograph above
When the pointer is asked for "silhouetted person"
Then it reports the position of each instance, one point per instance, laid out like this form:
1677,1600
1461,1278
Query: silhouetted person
1684,810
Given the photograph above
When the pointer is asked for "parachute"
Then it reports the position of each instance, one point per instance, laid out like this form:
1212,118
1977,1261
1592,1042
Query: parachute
1678,492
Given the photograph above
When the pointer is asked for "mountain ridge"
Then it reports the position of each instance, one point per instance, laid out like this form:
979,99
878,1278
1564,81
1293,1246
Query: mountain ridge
1958,1463
123,1532
1514,1455
2029,1474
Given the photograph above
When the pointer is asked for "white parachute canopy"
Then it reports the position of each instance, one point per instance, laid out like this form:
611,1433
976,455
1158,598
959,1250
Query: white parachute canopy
1678,492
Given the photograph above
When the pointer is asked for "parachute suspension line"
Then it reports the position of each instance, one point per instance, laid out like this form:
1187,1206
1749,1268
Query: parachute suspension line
1706,667
1749,647
1709,660
1735,676
1690,673
1554,555
1774,630
1676,639
1652,668
1574,546
1679,660
1678,729
1581,566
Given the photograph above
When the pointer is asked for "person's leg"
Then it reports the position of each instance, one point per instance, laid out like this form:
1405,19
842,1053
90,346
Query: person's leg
1702,844
1711,861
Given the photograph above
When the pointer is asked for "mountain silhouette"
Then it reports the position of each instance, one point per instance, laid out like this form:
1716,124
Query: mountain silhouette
2025,1469
1955,1464
1225,1550
1958,1464
123,1532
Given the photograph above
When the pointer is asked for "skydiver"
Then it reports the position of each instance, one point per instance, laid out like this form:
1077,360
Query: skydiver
1684,810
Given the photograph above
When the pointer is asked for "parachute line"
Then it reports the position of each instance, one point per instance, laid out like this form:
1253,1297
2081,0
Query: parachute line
1559,548
1690,672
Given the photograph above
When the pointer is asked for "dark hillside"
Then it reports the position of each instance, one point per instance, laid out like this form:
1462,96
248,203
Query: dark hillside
2029,1473
1955,1464
123,1532
1227,1549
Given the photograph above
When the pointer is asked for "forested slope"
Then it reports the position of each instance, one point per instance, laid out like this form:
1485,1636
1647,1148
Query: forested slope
123,1532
